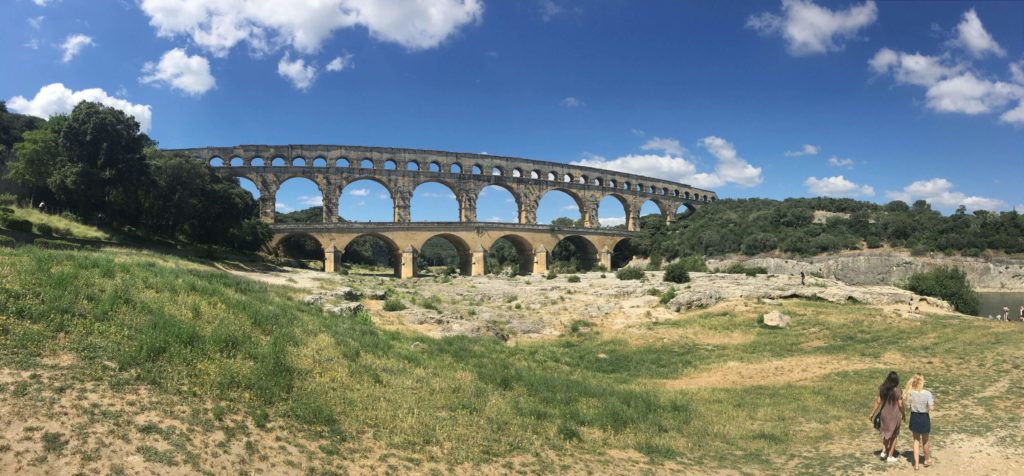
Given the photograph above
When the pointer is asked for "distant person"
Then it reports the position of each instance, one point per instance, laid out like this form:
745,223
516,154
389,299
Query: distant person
1006,313
921,404
889,408
42,206
803,277
910,304
1022,314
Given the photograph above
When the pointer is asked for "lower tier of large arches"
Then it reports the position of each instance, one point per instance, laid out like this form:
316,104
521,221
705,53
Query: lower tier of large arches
531,251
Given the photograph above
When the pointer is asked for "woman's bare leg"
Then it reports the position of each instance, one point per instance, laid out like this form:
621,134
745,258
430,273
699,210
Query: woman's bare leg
917,441
926,452
892,445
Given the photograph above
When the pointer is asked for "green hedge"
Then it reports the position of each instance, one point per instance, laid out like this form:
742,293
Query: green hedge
676,273
947,283
630,273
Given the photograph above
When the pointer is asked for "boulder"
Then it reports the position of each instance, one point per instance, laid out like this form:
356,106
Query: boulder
694,299
346,293
418,346
775,319
345,309
314,299
377,295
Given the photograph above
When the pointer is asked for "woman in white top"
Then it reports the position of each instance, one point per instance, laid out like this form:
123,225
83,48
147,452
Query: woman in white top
921,404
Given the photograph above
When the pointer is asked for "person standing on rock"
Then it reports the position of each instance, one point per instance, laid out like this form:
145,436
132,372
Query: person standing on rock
803,277
921,403
889,407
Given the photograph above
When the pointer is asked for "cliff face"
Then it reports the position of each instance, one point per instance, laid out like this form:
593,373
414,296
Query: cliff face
994,274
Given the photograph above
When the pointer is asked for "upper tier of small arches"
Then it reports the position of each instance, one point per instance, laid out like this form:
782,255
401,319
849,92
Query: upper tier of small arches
426,162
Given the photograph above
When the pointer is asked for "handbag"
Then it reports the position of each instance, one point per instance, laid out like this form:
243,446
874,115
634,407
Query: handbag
878,416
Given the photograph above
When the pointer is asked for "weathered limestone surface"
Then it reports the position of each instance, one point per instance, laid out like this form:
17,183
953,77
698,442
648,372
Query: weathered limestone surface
891,268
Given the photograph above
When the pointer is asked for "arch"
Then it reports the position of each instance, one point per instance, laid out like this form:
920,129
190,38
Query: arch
567,178
509,253
625,185
366,199
433,255
249,186
535,174
216,162
559,203
573,253
303,248
412,165
343,162
320,162
498,203
390,165
257,162
476,170
299,200
623,252
367,164
638,188
552,176
517,172
664,191
675,193
434,167
651,207
686,195
368,252
237,162
456,168
299,162
496,171
612,183
278,162
434,200
612,211
686,210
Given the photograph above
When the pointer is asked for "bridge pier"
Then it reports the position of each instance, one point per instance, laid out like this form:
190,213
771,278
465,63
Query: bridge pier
606,258
477,268
540,260
330,259
407,267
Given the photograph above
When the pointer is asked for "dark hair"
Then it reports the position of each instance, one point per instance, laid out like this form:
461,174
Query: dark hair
887,392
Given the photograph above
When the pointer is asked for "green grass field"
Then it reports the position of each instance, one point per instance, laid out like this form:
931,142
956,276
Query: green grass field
62,226
255,351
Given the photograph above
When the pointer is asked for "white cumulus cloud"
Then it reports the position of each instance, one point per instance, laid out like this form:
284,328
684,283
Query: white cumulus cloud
55,98
730,168
311,200
971,36
298,72
612,221
810,29
340,63
807,149
360,192
190,74
969,94
837,186
219,25
661,166
912,68
73,45
940,192
837,162
668,146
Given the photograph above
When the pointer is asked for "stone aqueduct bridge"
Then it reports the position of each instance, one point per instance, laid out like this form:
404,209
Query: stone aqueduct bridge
400,171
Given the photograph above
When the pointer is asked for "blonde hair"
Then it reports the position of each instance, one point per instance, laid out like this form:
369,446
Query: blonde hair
915,384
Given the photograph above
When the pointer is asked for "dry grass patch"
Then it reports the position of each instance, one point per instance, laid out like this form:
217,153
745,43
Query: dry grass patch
793,370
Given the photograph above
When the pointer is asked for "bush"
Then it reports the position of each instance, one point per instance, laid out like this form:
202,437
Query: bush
393,304
692,264
947,283
654,264
7,199
551,274
737,268
572,278
668,295
6,241
630,273
17,224
676,273
44,229
56,244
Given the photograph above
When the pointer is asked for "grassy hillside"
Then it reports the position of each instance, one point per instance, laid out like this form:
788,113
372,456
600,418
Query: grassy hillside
679,396
60,225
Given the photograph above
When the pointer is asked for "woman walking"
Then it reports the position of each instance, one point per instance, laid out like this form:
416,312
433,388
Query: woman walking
921,404
889,407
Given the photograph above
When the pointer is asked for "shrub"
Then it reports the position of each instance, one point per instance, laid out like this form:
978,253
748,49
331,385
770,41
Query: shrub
6,241
629,273
919,250
393,304
572,278
17,224
552,274
44,229
668,295
655,263
676,273
7,199
56,244
947,283
972,252
692,264
737,268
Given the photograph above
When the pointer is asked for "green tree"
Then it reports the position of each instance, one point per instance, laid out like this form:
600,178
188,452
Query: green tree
38,155
947,283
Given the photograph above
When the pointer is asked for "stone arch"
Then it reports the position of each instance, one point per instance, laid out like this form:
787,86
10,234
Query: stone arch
412,165
608,210
476,170
320,162
574,253
298,162
612,183
497,171
517,172
582,180
367,164
462,249
305,195
535,174
552,176
524,250
434,166
237,162
456,168
576,199
248,185
352,198
278,162
418,196
342,162
598,181
622,253
486,204
390,165
216,161
568,178
652,206
257,162
299,246
347,251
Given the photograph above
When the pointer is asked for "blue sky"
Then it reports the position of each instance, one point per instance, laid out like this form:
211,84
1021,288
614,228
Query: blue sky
871,100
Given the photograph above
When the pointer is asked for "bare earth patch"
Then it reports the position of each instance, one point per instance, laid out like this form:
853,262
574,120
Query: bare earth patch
803,369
